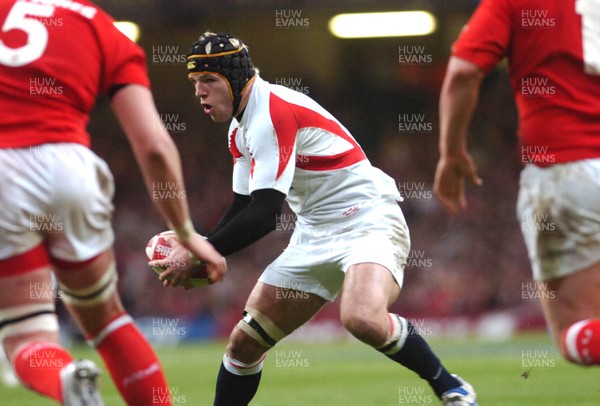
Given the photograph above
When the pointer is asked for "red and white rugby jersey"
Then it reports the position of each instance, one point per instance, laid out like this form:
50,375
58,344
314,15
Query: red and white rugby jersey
554,62
286,141
56,57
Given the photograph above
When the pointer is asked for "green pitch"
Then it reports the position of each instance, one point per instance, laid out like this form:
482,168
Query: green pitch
526,370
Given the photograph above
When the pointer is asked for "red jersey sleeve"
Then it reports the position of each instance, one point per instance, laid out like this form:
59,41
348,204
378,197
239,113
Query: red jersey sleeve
557,100
51,93
485,39
127,61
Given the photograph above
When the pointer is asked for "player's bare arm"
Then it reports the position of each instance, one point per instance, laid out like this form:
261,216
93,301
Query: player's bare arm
459,96
160,163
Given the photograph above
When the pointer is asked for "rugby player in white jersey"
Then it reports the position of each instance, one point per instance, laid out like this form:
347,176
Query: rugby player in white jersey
350,237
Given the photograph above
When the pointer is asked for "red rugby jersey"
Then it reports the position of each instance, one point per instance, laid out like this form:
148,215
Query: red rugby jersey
557,97
56,57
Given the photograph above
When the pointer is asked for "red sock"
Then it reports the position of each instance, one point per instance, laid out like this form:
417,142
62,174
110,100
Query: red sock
581,342
132,362
38,365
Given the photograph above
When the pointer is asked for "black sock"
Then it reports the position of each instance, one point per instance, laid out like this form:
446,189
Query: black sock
416,355
235,390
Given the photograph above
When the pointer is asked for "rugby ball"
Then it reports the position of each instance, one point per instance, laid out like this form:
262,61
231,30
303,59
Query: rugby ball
159,248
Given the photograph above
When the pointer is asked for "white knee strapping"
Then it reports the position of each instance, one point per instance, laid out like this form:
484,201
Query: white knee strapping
27,318
93,295
240,368
261,328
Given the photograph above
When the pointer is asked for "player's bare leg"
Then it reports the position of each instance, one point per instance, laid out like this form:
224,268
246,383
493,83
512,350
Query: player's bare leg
269,318
29,329
572,310
16,292
368,291
90,318
90,295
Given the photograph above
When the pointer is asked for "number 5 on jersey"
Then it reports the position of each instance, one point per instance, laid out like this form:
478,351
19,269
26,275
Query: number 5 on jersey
21,18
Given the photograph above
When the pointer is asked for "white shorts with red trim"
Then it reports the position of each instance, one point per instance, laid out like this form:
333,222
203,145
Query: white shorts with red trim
58,195
559,214
318,256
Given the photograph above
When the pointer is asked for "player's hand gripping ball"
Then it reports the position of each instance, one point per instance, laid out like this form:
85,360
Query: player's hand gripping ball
159,248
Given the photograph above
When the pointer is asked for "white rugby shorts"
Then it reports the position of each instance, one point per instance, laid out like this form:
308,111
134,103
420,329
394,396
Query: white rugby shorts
59,194
558,211
317,257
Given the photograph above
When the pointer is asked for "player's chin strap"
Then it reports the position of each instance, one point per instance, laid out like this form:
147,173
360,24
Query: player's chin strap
261,328
93,295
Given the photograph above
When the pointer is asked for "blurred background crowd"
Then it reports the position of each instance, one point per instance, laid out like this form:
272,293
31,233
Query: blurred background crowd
462,267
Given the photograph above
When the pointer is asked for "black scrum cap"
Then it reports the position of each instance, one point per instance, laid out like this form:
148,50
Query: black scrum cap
226,55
